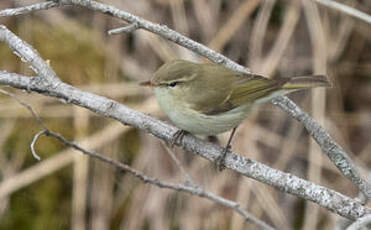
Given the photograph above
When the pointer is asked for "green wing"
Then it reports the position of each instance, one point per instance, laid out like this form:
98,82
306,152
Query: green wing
224,89
213,90
253,87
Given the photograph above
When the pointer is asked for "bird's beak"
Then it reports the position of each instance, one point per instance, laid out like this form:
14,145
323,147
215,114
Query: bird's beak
147,83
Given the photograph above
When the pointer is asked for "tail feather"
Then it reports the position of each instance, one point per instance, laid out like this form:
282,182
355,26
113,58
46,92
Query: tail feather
303,82
258,89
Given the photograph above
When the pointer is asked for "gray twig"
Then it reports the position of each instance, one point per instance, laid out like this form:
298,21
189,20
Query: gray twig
154,181
325,197
360,223
161,30
35,138
27,106
332,200
190,187
126,29
28,9
29,55
333,151
346,9
38,119
344,163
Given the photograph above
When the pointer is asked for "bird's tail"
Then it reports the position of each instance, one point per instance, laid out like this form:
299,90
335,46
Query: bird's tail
304,82
282,86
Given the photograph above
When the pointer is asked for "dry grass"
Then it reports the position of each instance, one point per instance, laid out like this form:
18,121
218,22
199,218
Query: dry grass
278,38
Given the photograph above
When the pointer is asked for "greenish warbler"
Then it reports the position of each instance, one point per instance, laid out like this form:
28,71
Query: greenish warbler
209,99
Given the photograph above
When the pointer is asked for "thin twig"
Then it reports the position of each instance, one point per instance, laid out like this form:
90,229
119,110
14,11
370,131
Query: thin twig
360,223
125,29
154,181
176,37
291,184
325,197
188,187
35,138
38,119
27,106
59,160
333,151
161,30
281,102
28,9
344,163
346,9
29,55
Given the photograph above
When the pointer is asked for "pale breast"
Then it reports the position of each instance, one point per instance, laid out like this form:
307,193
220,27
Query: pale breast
197,123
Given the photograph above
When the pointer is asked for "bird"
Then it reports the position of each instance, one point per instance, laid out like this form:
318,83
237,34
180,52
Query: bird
209,99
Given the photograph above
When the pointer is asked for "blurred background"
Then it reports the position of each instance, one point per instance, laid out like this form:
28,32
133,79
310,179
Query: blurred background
67,190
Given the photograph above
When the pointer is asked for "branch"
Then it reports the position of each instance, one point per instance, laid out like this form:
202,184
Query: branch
35,138
286,182
360,223
345,164
28,9
334,151
28,54
141,23
126,29
346,9
189,187
324,197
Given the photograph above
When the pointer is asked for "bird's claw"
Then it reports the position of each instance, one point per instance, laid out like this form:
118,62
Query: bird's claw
220,160
177,136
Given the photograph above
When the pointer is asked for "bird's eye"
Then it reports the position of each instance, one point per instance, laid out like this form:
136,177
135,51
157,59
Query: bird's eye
173,84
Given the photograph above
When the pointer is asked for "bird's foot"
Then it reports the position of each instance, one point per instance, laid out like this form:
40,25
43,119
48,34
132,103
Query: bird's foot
220,160
177,136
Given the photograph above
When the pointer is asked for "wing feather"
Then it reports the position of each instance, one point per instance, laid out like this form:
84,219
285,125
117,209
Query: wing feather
224,89
254,88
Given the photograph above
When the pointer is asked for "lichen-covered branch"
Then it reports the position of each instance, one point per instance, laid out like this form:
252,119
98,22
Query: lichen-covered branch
345,164
286,182
361,223
28,9
29,55
188,187
332,149
48,84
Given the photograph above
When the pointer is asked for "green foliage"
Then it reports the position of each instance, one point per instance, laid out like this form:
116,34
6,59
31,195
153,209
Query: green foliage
46,204
43,205
75,59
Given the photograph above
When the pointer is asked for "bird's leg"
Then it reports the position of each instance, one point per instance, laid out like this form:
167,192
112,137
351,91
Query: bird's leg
221,159
177,136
